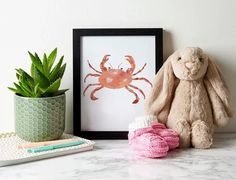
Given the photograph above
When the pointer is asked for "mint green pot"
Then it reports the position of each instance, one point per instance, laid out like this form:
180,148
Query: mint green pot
40,119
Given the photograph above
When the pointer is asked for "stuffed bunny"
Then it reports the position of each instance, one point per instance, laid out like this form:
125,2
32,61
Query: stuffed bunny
190,96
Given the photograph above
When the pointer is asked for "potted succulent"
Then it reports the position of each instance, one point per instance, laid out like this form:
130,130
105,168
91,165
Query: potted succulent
39,104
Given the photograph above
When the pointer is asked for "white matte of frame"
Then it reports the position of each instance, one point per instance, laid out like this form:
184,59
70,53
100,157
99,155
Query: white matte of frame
114,110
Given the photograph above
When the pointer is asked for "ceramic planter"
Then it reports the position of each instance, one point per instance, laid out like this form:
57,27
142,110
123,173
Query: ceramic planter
40,119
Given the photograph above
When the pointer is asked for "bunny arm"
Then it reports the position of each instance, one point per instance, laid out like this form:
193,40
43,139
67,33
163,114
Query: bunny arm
220,115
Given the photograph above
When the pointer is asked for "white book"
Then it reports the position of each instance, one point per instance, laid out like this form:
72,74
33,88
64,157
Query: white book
10,154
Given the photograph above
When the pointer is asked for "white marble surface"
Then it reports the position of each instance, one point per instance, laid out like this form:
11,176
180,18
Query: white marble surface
112,160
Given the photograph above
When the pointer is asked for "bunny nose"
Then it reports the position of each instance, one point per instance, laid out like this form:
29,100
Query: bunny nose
189,65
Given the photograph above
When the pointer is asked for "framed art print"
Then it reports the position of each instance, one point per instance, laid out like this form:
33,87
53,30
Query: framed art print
113,70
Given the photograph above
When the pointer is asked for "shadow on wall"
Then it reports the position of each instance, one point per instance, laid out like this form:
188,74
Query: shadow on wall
168,48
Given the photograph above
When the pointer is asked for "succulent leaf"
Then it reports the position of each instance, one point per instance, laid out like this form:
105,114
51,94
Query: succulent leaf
25,83
45,65
62,70
20,90
41,79
37,91
32,69
26,76
54,73
25,89
51,58
53,87
36,61
14,90
17,76
60,92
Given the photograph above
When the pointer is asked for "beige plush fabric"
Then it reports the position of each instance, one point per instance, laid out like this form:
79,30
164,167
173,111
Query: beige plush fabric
190,96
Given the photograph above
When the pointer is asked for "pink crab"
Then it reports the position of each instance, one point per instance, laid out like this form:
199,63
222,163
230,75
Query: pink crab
116,78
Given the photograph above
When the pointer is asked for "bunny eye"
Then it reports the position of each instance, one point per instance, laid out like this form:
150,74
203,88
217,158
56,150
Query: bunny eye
201,59
109,67
179,58
121,68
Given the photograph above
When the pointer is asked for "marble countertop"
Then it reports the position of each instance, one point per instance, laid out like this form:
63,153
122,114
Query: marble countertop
112,160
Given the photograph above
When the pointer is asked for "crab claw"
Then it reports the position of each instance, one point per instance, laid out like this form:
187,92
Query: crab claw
104,60
131,60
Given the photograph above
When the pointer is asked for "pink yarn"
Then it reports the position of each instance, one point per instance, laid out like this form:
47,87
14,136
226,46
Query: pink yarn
170,136
147,144
154,141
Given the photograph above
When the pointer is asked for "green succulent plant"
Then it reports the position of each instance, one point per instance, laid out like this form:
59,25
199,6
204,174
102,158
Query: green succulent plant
45,79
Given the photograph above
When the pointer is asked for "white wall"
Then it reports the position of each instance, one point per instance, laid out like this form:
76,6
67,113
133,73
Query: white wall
44,24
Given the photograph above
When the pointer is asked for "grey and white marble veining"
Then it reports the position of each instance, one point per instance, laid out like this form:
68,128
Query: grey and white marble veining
112,160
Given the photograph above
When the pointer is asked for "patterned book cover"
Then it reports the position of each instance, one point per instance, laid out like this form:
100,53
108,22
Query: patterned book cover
10,153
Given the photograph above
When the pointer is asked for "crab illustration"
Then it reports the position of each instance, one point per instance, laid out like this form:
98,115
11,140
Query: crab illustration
116,78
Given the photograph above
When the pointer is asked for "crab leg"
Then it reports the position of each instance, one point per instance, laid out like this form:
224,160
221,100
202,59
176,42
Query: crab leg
131,60
142,78
97,84
93,68
138,90
93,92
136,96
104,60
139,71
90,74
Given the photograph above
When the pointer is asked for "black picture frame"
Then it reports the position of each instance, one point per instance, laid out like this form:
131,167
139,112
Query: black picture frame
77,34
